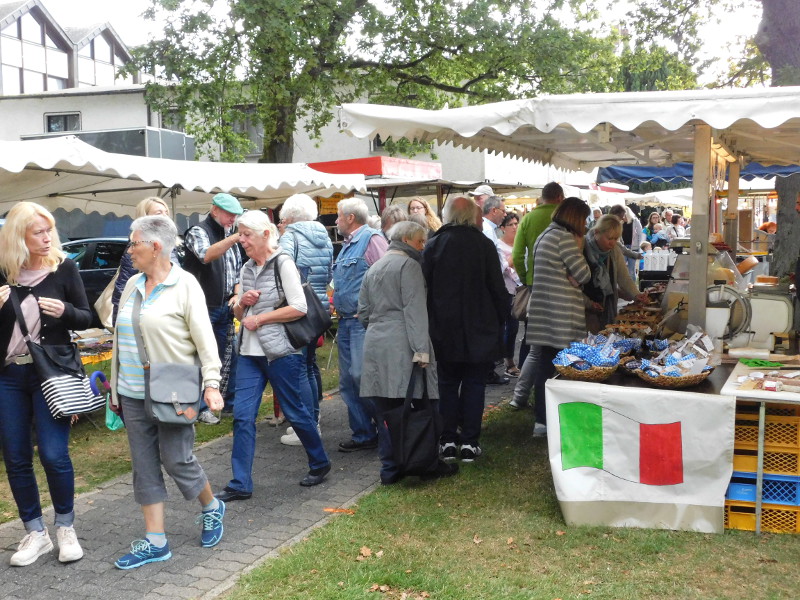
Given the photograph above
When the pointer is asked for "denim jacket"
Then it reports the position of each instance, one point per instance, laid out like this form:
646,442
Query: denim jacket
349,270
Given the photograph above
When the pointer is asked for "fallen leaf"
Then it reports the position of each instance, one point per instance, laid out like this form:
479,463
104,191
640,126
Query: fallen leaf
560,532
767,560
341,584
408,571
346,511
424,595
314,571
510,541
365,552
476,539
379,553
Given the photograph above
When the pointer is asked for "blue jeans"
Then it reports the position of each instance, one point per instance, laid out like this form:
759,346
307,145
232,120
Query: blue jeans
360,411
289,380
314,377
22,405
462,392
544,370
221,318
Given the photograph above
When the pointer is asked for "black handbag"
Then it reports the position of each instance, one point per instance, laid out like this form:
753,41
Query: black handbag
65,386
314,323
414,430
172,391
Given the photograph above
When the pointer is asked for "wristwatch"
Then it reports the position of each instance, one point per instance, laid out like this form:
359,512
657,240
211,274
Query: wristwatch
213,385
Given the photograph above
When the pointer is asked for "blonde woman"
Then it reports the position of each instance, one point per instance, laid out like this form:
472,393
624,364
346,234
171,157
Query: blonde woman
419,206
51,299
148,207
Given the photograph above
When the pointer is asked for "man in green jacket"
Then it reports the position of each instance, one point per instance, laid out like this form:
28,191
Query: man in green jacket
531,227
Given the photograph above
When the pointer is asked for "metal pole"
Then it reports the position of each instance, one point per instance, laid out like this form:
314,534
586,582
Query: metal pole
701,195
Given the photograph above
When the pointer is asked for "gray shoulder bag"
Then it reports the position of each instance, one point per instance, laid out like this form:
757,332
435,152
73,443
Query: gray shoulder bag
172,391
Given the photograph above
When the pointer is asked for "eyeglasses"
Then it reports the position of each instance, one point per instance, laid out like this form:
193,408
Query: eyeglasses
134,244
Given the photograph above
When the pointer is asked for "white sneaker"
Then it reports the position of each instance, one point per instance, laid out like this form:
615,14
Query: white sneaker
517,404
289,430
31,547
291,439
68,547
208,418
539,430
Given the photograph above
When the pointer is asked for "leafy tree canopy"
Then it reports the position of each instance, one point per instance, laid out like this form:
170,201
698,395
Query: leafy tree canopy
270,63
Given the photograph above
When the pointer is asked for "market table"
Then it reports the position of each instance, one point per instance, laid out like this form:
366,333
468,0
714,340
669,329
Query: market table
627,454
762,397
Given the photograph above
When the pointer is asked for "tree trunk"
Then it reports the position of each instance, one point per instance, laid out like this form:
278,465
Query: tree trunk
280,147
778,39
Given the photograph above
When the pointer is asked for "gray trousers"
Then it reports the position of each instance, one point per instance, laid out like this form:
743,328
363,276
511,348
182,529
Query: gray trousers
527,376
154,445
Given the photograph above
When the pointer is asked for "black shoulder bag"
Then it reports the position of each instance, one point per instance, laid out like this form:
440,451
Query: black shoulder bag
66,388
414,429
307,329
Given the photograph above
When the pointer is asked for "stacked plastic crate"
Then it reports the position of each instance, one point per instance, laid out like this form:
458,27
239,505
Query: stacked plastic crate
780,495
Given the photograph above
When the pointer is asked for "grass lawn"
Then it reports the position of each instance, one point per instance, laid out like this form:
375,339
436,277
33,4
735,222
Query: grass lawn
99,455
496,531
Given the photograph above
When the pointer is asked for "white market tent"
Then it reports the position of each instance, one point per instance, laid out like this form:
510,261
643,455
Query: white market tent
713,129
64,172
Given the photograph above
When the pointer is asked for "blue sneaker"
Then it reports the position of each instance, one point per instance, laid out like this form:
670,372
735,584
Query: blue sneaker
143,552
211,534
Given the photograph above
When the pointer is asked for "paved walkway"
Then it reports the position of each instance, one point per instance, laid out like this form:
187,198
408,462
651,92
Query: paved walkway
280,513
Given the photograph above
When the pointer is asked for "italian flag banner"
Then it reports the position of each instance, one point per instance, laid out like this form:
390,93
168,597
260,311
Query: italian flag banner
640,457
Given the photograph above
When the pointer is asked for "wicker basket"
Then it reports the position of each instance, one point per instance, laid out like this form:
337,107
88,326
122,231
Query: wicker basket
590,374
622,366
673,382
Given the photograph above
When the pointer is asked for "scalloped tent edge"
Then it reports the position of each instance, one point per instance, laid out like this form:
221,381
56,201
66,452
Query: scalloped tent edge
65,172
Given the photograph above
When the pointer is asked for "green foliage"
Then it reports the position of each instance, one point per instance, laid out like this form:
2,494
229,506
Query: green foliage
652,67
277,62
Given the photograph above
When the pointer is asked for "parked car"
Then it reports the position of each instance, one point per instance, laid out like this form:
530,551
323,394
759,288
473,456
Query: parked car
98,261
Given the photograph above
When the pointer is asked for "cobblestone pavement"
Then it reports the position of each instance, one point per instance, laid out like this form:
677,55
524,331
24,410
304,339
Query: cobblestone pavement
280,513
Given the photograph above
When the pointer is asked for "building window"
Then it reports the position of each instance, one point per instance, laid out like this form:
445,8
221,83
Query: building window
66,122
31,58
376,144
98,63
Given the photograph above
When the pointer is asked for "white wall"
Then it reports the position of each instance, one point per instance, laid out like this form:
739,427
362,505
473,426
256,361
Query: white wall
25,115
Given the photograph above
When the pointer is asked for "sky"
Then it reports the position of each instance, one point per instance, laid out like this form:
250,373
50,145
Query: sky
124,16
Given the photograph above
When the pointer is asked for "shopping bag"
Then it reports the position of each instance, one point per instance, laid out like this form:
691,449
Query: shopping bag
414,429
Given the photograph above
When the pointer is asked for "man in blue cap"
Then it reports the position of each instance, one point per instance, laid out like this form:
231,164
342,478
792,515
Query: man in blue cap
214,257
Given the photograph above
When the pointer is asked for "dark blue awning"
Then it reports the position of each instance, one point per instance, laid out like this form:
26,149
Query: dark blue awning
680,172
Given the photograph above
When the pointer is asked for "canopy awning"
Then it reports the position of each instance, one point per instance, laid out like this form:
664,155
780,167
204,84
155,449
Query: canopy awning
583,131
68,173
682,172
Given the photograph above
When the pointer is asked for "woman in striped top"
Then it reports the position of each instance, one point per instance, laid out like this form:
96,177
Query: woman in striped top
556,309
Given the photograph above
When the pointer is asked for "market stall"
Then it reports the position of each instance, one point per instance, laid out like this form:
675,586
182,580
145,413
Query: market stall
65,172
716,130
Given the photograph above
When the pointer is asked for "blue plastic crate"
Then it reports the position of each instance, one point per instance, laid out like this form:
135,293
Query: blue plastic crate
776,489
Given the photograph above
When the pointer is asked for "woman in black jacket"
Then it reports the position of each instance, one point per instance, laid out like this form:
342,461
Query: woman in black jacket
52,301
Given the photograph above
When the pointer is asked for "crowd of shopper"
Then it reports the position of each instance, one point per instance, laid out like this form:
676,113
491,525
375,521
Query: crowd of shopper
412,294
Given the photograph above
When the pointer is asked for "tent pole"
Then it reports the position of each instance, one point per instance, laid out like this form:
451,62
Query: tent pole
701,194
732,211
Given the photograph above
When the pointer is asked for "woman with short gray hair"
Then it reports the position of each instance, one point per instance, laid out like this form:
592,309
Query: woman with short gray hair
164,307
392,306
307,241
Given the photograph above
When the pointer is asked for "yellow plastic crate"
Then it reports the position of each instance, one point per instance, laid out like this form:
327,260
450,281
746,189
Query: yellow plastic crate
774,518
779,432
772,408
783,462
